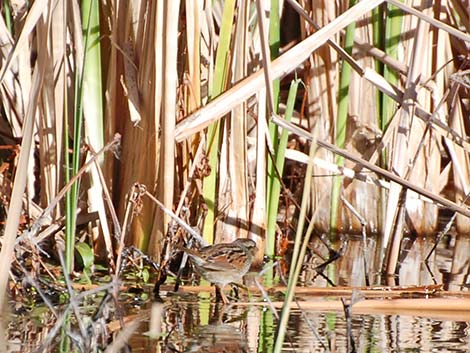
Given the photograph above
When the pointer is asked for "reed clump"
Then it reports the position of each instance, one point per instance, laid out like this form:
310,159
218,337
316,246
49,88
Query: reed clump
243,119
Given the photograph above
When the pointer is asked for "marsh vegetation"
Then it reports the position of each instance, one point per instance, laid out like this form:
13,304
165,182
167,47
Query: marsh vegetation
331,133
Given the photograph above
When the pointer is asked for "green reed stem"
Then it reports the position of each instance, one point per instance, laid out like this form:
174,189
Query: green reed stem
298,253
273,196
274,45
341,123
213,133
71,197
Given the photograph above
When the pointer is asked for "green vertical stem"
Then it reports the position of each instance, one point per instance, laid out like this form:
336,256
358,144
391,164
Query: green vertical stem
378,34
280,158
341,123
71,198
274,45
298,253
378,41
210,181
213,133
378,37
393,26
69,209
92,76
8,18
64,346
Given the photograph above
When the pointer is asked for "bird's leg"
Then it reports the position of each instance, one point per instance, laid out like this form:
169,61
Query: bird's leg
162,275
235,291
236,286
219,294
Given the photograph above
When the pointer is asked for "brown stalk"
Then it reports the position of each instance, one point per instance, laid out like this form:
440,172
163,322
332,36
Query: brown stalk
401,152
169,108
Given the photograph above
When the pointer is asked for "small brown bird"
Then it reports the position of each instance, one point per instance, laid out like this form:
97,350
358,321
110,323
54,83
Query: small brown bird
224,263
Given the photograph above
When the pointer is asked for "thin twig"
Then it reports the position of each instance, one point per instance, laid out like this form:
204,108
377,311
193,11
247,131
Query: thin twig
107,197
38,223
170,213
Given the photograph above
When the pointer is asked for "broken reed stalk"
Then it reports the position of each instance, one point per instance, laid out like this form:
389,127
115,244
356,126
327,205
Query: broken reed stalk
384,173
281,66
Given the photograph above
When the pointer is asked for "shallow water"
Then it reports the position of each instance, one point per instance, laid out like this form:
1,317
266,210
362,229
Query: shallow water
197,326
192,322
251,329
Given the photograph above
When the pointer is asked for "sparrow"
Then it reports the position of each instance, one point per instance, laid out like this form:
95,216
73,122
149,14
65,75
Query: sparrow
223,263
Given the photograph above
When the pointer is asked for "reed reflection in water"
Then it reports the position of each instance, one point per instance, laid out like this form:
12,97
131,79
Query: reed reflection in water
203,327
250,329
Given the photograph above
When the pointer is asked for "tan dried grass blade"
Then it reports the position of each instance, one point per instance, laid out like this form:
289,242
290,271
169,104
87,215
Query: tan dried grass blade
19,185
50,120
166,175
258,216
401,157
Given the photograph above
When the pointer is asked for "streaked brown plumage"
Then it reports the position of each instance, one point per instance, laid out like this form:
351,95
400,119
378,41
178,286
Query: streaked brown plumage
224,263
